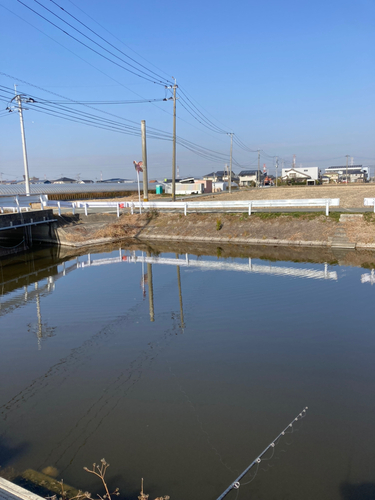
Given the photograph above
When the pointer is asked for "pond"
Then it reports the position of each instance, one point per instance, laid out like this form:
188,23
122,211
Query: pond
181,365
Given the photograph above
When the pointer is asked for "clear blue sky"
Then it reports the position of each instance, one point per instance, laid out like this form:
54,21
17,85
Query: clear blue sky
286,77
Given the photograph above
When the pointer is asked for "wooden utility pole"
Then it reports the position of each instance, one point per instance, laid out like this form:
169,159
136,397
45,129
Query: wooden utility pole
144,159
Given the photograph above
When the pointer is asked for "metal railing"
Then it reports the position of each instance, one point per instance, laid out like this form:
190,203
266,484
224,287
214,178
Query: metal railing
248,205
17,203
369,202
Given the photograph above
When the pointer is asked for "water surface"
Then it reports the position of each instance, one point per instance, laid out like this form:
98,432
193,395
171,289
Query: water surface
182,372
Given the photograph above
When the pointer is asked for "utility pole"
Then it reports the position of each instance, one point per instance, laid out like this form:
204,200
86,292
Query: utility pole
276,167
19,101
174,144
347,156
258,177
230,163
144,159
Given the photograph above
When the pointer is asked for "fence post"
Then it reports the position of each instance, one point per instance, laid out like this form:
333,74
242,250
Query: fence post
327,208
250,208
74,208
86,209
118,209
132,208
58,206
185,208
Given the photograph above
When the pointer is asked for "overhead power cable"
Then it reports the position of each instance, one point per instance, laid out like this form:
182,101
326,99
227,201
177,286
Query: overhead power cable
139,101
148,77
118,39
109,43
199,116
90,119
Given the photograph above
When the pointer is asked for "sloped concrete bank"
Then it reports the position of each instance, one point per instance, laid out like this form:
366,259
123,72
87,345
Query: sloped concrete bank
297,229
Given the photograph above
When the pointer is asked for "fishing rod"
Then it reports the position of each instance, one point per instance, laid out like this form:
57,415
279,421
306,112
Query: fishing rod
236,483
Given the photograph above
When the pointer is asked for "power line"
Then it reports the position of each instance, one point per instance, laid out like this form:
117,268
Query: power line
118,39
85,44
106,41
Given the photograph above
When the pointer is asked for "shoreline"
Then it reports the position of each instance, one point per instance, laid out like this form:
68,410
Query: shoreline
264,229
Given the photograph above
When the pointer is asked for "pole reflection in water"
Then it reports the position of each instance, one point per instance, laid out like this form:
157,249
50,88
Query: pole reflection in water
150,291
180,295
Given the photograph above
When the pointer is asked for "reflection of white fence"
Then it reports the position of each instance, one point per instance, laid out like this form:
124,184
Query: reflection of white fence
219,266
368,277
224,206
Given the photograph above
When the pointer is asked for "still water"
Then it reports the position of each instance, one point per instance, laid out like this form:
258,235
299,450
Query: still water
183,371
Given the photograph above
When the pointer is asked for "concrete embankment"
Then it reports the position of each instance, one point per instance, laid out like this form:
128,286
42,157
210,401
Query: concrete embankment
296,229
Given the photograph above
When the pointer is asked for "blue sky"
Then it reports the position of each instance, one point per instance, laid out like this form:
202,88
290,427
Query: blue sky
286,77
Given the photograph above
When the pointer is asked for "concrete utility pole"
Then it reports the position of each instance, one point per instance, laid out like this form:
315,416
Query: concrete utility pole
347,156
276,167
258,177
27,180
230,163
144,160
174,144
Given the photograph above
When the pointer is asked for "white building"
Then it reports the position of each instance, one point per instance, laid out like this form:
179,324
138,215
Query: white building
301,173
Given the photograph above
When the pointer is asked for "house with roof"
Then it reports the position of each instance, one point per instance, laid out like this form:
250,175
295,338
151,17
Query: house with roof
300,174
215,176
64,180
352,173
248,177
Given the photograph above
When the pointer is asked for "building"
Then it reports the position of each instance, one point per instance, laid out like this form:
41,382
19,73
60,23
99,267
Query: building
64,180
343,174
248,177
215,176
300,174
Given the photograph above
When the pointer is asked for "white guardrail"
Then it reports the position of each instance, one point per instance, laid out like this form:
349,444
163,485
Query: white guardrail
369,202
248,205
17,203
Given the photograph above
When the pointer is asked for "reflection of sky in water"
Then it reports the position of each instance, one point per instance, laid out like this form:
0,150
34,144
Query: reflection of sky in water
233,354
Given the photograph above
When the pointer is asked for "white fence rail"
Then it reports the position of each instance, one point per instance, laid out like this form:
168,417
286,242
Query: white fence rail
16,203
247,205
369,202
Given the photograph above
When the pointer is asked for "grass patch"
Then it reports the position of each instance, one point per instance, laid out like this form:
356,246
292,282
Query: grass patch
293,215
369,217
267,215
335,216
